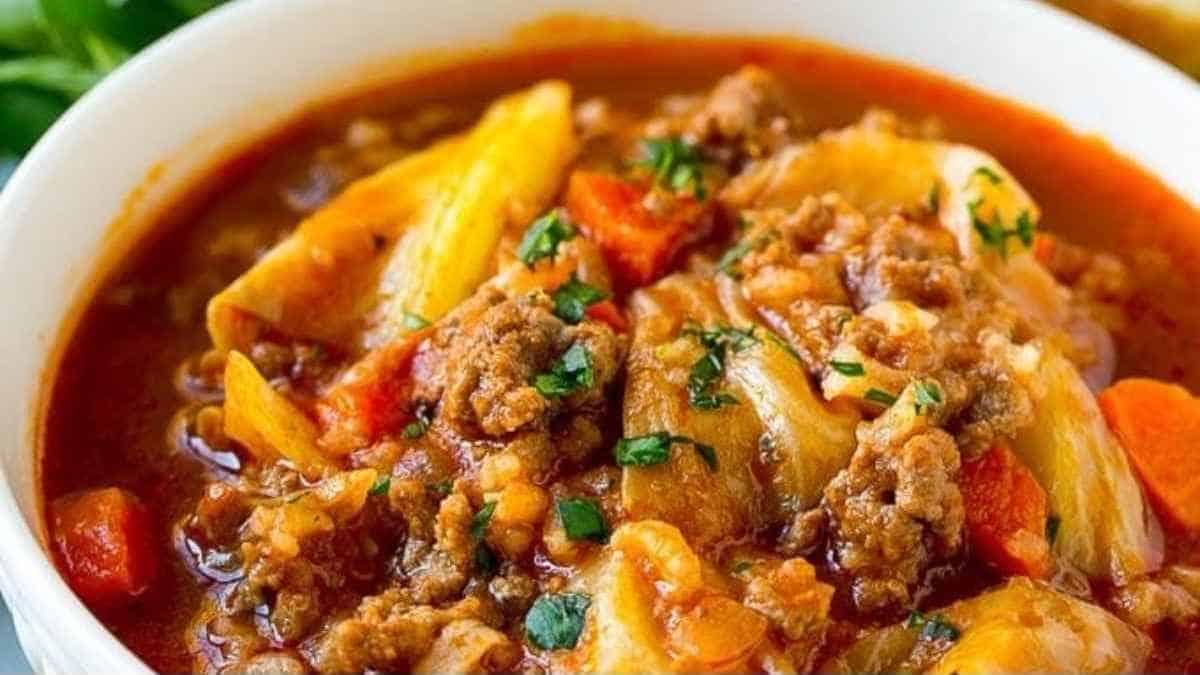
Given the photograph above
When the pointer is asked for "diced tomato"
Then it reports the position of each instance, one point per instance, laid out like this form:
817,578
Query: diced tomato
608,312
373,396
639,245
1005,513
103,538
1043,248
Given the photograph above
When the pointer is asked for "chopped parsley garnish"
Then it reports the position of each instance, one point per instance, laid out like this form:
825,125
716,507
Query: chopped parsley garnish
380,487
936,627
582,519
987,173
542,238
848,368
675,164
442,487
572,371
655,448
926,396
415,321
417,428
1052,524
572,299
741,566
555,620
783,344
485,560
995,235
706,371
730,259
879,396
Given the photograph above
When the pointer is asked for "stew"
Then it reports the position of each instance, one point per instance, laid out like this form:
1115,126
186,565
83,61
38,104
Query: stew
673,355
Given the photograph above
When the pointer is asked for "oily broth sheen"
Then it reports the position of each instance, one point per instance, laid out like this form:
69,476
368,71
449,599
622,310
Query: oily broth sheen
113,396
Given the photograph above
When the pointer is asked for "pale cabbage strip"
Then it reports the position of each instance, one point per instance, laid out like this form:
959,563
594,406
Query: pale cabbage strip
416,237
1021,627
1105,528
509,168
318,283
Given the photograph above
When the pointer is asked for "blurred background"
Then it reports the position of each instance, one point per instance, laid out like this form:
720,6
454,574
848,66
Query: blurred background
52,51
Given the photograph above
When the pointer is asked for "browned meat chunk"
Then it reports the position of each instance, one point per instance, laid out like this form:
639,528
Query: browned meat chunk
903,260
895,510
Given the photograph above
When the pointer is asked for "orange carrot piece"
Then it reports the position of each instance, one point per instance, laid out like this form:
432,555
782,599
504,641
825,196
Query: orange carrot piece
103,538
639,245
608,312
372,397
1158,424
1005,513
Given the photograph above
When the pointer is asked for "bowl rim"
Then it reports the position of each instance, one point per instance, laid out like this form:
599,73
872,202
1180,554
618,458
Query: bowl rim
29,579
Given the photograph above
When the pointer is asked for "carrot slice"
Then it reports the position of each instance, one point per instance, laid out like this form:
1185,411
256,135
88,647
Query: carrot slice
373,396
639,245
608,312
103,538
1005,513
1158,424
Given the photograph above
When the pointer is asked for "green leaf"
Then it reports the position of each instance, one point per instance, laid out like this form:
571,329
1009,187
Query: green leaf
936,627
25,114
105,54
707,452
582,519
49,73
741,566
194,8
555,621
708,369
572,299
645,450
22,27
542,238
8,164
848,368
992,177
483,517
380,487
729,260
573,371
485,559
131,24
926,396
879,396
442,487
675,163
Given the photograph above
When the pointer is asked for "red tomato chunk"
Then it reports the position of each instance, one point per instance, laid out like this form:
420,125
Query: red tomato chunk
103,537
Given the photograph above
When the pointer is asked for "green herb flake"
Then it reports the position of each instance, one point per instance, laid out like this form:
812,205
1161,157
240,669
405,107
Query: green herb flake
417,428
926,396
675,163
879,396
729,260
485,559
442,487
582,520
380,487
645,450
995,235
707,452
572,299
573,371
555,620
784,345
710,368
1052,524
483,517
415,321
848,368
542,238
986,172
741,566
936,627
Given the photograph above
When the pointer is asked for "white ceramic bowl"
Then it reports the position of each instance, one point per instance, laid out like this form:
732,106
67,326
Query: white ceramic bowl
244,68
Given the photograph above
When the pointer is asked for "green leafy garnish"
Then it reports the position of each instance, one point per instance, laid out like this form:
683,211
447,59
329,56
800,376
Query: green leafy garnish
442,487
380,487
572,371
708,369
879,396
483,517
936,627
729,260
582,519
417,428
848,368
415,321
1052,524
784,345
542,238
655,448
572,299
987,173
675,164
926,396
555,621
485,559
741,566
995,235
